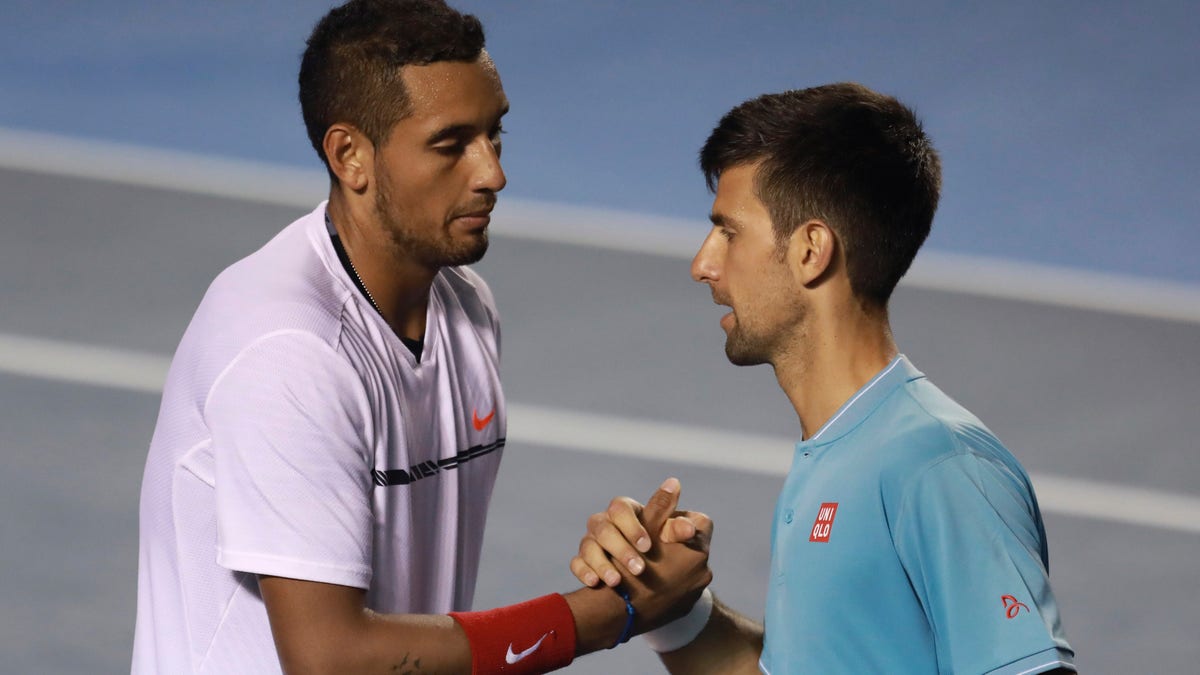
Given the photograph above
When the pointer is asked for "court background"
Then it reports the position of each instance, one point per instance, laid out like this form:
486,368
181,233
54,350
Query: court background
145,147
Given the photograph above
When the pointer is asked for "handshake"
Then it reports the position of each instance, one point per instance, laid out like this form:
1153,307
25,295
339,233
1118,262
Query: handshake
654,554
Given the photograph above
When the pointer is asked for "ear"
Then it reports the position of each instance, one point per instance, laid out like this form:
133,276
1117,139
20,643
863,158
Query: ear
351,156
811,251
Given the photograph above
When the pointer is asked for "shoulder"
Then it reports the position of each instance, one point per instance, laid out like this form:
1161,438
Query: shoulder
934,439
285,285
282,289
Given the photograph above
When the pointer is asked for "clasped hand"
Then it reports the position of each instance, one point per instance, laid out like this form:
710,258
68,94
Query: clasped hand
664,574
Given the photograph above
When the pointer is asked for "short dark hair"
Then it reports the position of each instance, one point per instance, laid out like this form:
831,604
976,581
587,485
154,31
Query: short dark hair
841,153
350,71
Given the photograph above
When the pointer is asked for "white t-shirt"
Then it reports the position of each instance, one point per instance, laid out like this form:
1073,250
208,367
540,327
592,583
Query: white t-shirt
299,437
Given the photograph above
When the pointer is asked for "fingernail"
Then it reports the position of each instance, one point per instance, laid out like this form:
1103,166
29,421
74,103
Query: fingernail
670,485
636,565
643,544
612,578
591,580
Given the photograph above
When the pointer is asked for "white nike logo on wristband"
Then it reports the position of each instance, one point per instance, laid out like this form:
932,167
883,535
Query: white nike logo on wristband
511,658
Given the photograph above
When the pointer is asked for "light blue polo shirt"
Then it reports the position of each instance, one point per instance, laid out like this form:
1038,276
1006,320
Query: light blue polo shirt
908,540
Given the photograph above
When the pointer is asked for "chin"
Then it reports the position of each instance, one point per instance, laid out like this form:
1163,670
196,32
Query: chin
740,354
467,253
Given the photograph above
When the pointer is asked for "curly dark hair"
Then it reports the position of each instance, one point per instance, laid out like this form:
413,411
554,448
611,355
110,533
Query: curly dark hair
350,71
842,153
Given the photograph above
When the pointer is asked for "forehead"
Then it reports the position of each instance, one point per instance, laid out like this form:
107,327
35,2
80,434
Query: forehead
454,92
736,197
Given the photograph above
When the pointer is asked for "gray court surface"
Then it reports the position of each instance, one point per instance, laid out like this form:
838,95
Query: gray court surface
1103,399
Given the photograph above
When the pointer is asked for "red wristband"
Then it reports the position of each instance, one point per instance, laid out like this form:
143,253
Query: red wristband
531,637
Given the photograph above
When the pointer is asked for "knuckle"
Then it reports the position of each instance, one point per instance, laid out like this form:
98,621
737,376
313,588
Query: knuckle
618,506
616,546
596,521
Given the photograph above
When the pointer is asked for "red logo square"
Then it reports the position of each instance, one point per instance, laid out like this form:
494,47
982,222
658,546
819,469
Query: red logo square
824,522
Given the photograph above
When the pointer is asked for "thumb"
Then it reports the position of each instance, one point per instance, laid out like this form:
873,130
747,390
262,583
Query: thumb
678,529
661,505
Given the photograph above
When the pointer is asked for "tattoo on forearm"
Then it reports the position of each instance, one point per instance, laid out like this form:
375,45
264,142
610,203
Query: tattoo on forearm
406,668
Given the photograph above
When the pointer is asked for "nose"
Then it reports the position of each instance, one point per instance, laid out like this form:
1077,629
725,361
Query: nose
704,266
489,175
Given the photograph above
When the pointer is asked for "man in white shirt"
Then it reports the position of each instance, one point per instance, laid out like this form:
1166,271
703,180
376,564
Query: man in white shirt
316,489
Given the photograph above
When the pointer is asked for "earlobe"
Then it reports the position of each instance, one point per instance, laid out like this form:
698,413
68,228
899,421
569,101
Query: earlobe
349,154
811,250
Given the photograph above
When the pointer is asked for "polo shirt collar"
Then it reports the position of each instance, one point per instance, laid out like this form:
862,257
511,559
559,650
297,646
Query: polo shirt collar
897,373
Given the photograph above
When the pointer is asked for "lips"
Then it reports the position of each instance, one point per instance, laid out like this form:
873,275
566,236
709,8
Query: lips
481,209
727,320
475,221
477,218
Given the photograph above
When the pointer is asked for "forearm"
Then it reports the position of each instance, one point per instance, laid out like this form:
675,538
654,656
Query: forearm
323,628
438,644
730,643
405,643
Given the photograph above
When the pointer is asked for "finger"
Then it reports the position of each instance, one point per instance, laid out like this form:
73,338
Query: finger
625,513
593,556
661,505
704,524
615,545
677,529
704,530
584,573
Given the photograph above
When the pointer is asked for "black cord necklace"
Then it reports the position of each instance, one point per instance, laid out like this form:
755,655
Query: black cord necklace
349,264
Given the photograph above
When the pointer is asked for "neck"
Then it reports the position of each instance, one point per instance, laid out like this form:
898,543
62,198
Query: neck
399,286
839,354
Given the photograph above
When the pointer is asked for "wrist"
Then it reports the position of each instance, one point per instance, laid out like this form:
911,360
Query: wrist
630,615
682,631
530,637
600,618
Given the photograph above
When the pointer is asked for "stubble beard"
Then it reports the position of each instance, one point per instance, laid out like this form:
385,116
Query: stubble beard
751,346
742,349
429,246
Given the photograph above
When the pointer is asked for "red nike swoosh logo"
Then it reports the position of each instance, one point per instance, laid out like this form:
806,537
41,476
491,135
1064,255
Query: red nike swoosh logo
481,423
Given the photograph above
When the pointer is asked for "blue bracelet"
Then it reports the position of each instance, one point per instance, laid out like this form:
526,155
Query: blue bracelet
630,613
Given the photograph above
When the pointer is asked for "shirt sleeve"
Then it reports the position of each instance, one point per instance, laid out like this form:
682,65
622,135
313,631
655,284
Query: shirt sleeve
970,537
289,422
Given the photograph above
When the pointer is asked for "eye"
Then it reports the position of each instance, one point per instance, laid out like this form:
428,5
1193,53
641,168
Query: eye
495,138
727,233
452,149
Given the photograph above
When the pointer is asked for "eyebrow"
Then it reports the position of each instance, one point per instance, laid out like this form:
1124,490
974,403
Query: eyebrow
722,220
460,130
453,131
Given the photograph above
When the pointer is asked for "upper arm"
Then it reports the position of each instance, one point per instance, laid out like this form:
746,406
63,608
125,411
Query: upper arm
289,425
972,545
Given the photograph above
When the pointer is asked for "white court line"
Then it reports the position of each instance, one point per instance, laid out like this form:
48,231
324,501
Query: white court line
82,364
612,435
598,228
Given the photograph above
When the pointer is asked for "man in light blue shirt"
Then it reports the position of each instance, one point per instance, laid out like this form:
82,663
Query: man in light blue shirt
906,538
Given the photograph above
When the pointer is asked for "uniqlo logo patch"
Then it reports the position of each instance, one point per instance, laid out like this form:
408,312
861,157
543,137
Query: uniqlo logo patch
824,522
